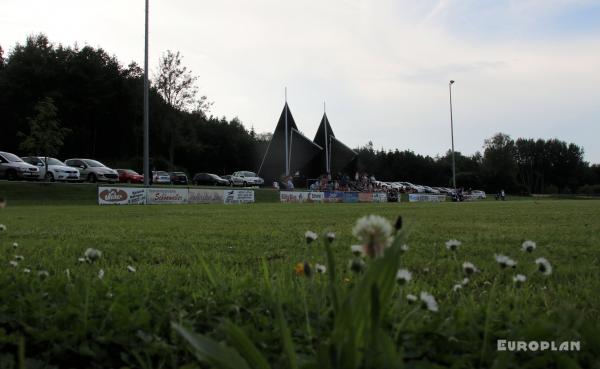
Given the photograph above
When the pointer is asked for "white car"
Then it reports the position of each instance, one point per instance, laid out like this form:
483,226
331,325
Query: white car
93,171
161,177
479,194
57,170
13,167
249,178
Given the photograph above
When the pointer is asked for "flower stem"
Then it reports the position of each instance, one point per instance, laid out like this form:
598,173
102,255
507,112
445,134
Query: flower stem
486,328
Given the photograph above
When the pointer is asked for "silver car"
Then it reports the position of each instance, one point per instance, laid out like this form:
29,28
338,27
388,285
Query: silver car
57,170
93,171
13,167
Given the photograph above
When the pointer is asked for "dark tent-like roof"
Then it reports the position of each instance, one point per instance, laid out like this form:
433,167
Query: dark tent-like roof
335,157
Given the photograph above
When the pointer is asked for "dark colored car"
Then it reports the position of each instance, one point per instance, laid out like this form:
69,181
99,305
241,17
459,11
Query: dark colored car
209,179
178,178
130,176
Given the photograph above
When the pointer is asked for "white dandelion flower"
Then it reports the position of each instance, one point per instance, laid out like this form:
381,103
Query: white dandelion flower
43,274
457,287
131,269
519,279
330,236
310,236
428,302
528,246
15,245
81,260
101,274
404,248
465,281
357,250
320,268
504,261
411,298
403,276
374,232
19,257
544,266
469,268
453,245
26,270
13,263
3,228
92,255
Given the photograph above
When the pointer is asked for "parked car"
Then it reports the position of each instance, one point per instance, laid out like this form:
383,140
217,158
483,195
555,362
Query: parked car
478,193
431,190
209,179
161,177
249,178
57,170
130,176
178,178
233,180
93,171
13,167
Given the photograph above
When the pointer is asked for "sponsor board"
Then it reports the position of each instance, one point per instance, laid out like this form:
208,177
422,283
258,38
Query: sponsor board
293,196
365,197
121,195
380,197
238,196
202,196
167,196
350,197
334,196
415,197
316,196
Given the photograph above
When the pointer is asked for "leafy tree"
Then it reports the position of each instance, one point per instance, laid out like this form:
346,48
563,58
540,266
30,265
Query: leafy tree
498,166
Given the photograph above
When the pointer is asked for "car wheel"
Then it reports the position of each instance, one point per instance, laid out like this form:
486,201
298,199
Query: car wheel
50,176
92,178
11,175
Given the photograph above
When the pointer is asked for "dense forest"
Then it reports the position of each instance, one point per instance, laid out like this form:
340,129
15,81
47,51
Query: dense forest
81,102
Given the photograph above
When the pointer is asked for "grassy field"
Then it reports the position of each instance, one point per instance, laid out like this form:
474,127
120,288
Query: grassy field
215,268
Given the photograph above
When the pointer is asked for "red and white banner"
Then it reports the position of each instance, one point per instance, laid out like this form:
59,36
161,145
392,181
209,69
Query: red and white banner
121,196
166,196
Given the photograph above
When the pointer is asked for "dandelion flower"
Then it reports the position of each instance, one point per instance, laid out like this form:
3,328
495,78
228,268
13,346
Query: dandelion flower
19,257
357,250
2,228
505,261
374,232
404,248
528,246
131,269
357,265
544,266
15,245
519,279
320,268
452,245
26,270
92,255
428,302
101,274
465,281
310,236
469,268
411,298
13,263
403,276
299,268
43,274
330,236
457,287
81,260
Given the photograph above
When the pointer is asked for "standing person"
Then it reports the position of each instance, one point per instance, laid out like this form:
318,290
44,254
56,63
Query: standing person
502,195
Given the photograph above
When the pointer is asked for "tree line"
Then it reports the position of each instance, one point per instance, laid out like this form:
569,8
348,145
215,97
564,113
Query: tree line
71,101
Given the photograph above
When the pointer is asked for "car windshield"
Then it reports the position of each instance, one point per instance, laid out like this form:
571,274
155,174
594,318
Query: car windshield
162,173
52,161
213,175
93,163
249,174
129,171
12,158
178,173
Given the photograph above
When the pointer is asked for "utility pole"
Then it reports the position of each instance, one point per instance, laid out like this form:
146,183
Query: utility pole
147,173
452,135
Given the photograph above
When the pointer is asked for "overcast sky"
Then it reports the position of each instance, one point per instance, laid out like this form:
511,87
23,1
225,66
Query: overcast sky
529,68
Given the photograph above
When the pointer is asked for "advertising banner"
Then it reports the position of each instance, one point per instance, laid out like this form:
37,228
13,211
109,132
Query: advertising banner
238,196
350,197
334,196
293,196
205,196
316,196
365,197
415,197
121,195
380,197
167,196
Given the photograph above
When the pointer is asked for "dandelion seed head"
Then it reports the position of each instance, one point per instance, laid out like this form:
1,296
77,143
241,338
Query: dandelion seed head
374,232
310,236
330,236
43,274
131,269
544,266
453,245
101,274
457,287
320,268
13,263
465,281
411,298
3,228
469,268
528,246
403,276
19,257
504,261
15,245
404,248
428,302
519,279
26,270
357,250
92,255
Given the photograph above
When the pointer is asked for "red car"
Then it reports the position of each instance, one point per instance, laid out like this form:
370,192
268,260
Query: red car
129,176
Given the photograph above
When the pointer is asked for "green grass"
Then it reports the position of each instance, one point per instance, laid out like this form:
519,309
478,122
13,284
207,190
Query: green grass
201,266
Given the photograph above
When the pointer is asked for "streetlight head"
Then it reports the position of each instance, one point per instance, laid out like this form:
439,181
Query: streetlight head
451,81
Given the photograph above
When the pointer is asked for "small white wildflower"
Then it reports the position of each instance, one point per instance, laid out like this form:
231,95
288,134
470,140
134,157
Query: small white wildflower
505,261
101,273
404,248
528,246
15,245
26,270
519,279
13,263
452,245
457,287
428,301
320,268
19,257
374,232
426,270
469,268
43,274
92,254
131,269
68,273
81,260
330,236
357,250
109,295
465,281
2,228
544,266
403,276
411,298
310,236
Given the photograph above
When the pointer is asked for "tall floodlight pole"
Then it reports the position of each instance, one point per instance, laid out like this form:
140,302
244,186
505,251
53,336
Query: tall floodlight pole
287,158
452,135
327,164
147,173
